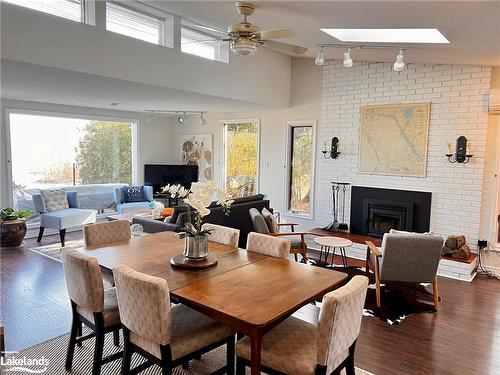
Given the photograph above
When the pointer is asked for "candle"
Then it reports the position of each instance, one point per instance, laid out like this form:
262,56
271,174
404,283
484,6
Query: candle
468,148
449,147
324,145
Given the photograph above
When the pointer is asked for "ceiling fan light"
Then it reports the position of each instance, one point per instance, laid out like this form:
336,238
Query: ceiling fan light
244,47
399,64
320,58
347,59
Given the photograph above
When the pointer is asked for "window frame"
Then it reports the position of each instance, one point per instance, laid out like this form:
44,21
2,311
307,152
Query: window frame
224,154
70,115
220,53
288,169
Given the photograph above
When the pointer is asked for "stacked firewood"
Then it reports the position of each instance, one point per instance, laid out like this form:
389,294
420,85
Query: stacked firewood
456,246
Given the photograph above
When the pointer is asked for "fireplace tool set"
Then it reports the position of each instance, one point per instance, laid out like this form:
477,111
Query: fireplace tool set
338,189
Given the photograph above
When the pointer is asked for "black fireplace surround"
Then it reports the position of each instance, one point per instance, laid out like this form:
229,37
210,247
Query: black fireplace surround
376,211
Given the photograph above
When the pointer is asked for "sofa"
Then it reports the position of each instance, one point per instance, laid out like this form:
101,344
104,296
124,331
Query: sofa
238,218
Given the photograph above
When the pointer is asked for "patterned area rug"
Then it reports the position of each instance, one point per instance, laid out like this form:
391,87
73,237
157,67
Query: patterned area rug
53,251
51,356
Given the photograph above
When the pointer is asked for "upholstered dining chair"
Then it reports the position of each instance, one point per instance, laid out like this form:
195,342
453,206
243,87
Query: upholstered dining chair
223,235
91,305
164,335
405,257
301,348
268,245
297,239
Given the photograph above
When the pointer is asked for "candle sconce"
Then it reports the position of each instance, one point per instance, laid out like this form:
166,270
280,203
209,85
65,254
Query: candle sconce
462,151
333,153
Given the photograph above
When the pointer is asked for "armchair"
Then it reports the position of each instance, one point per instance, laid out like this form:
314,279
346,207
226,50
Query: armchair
64,218
298,244
409,257
123,205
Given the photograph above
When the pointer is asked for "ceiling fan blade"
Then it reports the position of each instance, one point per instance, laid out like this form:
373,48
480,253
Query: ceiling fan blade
276,34
284,47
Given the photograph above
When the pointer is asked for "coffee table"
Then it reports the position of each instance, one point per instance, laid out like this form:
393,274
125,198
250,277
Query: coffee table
332,243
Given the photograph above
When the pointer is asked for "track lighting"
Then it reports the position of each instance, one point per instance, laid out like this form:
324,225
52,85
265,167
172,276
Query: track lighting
320,58
399,64
347,59
203,121
180,119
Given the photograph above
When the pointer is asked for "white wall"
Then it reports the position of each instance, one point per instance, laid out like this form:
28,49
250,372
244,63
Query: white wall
155,141
42,39
459,100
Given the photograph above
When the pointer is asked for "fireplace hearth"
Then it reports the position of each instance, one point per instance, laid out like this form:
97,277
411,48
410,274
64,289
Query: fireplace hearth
376,211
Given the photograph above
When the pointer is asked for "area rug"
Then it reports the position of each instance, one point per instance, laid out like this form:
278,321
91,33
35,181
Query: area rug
53,251
51,355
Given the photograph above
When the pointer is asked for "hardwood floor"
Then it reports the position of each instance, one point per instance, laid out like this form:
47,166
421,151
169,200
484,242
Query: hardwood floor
462,338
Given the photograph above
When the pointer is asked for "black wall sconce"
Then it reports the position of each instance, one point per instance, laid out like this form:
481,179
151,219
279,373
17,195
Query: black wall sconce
333,153
462,151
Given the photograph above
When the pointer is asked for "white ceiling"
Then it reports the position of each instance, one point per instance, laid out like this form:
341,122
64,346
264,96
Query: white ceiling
473,27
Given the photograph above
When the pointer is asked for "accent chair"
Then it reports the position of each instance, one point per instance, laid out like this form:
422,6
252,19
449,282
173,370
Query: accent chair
91,305
165,335
301,348
60,210
405,257
123,202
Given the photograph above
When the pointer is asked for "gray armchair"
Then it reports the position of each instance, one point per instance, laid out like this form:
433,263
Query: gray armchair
405,257
64,218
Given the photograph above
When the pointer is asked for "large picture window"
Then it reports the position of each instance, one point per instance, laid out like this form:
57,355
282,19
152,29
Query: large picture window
300,168
84,155
241,157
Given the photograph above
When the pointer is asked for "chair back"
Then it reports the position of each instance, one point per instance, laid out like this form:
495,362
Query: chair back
144,304
105,233
223,235
339,322
259,223
268,245
410,257
119,194
41,207
83,280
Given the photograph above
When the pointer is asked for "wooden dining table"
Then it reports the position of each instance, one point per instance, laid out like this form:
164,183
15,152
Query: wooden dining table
246,290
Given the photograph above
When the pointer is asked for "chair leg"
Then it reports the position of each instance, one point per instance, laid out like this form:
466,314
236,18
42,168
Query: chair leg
295,256
349,367
166,360
127,352
435,291
230,356
116,338
72,342
40,234
377,289
2,345
240,366
79,333
99,343
62,234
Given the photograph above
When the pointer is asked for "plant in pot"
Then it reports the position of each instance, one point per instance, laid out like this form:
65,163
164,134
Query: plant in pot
12,228
199,197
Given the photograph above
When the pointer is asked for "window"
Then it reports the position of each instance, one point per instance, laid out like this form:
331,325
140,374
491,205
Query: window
241,157
135,24
70,9
300,168
202,43
83,155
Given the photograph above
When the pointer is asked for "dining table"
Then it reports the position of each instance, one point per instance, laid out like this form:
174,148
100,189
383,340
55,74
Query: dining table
248,291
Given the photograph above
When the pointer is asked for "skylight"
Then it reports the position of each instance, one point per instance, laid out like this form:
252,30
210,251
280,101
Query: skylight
388,35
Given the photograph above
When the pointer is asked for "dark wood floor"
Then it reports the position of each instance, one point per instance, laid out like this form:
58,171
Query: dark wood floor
462,338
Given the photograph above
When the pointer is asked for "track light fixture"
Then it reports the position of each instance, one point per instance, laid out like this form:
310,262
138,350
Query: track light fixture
320,58
180,119
347,59
203,121
399,64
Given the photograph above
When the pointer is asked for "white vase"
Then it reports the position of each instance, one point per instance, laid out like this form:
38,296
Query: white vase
195,249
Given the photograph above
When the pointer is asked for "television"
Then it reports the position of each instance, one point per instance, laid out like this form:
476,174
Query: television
159,175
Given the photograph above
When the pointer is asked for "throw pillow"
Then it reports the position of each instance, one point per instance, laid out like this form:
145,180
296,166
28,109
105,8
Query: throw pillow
134,194
55,200
271,222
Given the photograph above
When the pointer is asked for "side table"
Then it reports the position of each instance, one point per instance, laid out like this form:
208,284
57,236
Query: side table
328,244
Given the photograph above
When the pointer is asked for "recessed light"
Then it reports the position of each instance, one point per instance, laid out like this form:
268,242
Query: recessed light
388,35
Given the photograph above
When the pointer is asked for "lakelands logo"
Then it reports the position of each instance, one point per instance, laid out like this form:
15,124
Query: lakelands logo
24,364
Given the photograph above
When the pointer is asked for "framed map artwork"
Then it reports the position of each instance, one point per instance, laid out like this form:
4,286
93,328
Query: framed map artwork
197,150
393,139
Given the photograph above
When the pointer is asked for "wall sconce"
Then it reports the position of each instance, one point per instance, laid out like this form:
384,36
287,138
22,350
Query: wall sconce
333,153
462,151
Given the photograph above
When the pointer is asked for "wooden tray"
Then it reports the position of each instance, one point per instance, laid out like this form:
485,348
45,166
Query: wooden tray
180,261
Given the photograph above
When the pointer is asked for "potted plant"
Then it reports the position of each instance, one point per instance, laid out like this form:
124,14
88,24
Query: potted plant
199,197
12,228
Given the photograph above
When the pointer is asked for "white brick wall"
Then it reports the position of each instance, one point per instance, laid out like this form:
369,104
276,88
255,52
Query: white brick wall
459,102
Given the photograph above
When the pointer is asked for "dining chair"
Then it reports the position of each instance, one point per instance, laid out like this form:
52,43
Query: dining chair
223,235
91,305
268,245
105,233
164,335
301,348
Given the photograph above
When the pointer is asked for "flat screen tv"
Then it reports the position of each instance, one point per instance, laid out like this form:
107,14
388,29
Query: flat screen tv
158,175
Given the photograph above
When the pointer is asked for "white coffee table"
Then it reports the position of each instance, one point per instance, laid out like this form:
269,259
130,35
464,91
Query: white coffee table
328,244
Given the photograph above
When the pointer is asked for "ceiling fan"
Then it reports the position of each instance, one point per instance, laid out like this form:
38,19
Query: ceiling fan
245,38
